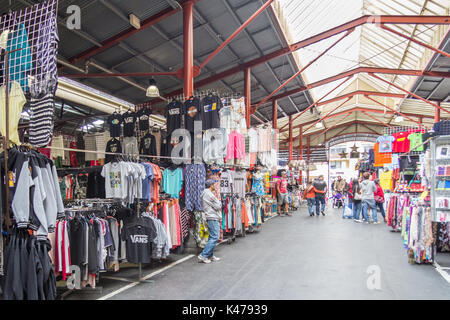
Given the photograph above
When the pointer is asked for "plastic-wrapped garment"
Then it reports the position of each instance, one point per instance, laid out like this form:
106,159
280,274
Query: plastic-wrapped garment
201,233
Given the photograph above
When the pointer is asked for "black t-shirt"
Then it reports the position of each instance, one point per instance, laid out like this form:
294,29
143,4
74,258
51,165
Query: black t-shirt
129,120
173,114
192,112
143,116
114,122
139,235
211,106
113,146
148,145
408,164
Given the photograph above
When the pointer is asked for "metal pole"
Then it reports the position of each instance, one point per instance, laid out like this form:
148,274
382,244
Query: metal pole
275,114
6,139
290,139
188,43
248,97
308,143
437,114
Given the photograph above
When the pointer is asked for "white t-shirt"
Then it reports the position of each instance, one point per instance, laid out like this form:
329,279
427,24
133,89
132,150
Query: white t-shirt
239,183
226,182
116,182
253,140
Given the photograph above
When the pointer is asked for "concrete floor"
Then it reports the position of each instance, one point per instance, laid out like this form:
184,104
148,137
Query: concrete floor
297,257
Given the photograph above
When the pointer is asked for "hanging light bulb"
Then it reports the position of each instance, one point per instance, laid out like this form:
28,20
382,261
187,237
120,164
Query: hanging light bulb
152,90
399,118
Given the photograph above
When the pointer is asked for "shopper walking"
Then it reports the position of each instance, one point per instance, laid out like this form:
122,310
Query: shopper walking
379,198
320,189
283,200
212,207
339,185
310,196
368,188
356,194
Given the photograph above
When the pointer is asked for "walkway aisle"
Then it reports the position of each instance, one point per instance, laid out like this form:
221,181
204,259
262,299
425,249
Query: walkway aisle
301,257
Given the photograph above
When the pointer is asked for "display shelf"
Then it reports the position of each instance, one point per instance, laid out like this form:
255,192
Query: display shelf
438,213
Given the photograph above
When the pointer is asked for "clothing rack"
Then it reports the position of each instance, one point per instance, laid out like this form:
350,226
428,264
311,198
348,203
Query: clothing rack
203,93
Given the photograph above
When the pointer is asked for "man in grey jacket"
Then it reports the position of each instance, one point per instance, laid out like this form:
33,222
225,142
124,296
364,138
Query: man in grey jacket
368,200
212,207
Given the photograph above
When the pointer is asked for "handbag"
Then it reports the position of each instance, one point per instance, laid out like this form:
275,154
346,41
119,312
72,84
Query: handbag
402,184
357,195
379,199
415,184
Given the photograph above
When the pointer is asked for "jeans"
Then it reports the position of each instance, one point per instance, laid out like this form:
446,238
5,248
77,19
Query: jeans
311,204
366,203
381,206
214,234
356,209
320,200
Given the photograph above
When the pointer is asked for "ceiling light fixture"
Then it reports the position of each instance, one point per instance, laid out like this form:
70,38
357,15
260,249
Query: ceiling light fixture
152,90
399,118
319,125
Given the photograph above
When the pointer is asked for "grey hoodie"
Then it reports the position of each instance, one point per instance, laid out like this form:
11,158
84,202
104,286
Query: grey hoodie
368,188
212,207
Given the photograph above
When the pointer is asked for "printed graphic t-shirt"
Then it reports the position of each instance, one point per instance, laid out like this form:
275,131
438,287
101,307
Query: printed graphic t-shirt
401,143
282,184
192,112
385,143
415,141
143,116
129,119
173,114
381,158
114,122
211,105
116,182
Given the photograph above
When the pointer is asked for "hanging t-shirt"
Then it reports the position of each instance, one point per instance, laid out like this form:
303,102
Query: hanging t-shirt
415,141
385,143
113,146
139,236
116,182
172,182
401,143
192,112
148,145
129,120
226,183
381,158
211,105
143,117
239,183
16,101
386,180
173,114
114,122
253,140
147,182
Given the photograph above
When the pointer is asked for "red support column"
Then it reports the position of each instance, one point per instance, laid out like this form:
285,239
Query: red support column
308,143
248,97
274,114
188,43
290,139
300,144
437,114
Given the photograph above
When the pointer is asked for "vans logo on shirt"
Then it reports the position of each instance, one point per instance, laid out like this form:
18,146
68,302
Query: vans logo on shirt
139,238
129,120
174,111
